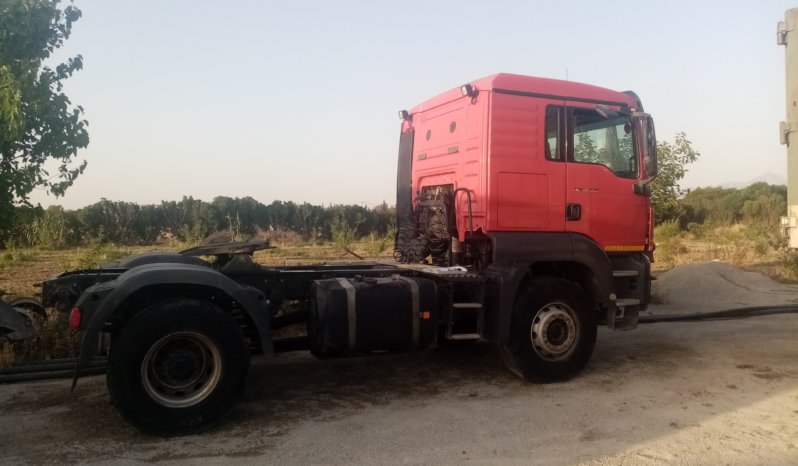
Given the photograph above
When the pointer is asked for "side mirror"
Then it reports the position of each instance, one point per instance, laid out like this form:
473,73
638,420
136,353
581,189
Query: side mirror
650,149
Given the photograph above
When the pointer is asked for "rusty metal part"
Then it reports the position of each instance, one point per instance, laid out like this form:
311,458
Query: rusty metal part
227,249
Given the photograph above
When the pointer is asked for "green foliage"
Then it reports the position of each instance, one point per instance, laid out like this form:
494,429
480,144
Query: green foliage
14,254
759,203
665,190
343,235
189,221
585,149
766,210
38,123
48,231
698,230
377,244
96,252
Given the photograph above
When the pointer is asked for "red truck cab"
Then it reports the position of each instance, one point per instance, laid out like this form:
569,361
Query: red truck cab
548,173
537,155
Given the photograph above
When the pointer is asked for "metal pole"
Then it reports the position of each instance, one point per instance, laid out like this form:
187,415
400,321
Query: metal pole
787,35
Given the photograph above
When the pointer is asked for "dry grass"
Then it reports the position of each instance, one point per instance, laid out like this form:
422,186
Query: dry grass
737,245
22,270
20,274
7,356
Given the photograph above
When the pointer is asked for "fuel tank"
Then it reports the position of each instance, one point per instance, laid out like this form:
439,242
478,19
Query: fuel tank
359,315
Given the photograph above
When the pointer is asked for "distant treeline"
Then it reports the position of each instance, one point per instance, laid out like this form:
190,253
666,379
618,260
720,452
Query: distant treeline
190,220
759,204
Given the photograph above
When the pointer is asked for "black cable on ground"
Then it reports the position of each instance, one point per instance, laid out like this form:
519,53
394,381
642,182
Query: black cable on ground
47,375
42,366
49,369
737,313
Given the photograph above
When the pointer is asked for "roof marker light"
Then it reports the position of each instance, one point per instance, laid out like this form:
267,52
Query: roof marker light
467,90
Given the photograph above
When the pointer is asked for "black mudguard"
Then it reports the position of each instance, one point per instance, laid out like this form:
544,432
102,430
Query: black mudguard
99,302
514,254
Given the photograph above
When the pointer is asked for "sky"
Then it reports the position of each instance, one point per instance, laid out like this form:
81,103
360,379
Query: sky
297,100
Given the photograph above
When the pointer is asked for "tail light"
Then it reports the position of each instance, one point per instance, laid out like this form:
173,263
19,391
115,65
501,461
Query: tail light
74,317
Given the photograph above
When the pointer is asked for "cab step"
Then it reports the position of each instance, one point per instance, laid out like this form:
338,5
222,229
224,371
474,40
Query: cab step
465,336
467,305
627,302
466,309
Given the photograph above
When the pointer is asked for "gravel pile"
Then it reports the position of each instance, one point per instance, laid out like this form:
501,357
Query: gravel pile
713,286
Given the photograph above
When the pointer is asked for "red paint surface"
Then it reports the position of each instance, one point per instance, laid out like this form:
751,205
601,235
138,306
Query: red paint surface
493,144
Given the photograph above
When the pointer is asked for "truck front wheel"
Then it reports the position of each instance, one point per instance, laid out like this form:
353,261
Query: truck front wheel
553,331
177,367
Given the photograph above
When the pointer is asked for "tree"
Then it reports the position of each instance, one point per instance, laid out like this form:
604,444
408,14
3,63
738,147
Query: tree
765,212
665,190
38,123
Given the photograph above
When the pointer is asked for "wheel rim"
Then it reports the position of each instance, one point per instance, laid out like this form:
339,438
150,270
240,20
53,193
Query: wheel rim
181,369
554,332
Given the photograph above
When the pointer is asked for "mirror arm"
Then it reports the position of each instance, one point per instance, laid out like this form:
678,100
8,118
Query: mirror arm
647,181
643,187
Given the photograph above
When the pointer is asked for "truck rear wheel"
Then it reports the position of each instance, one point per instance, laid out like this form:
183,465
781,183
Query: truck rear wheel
553,331
177,367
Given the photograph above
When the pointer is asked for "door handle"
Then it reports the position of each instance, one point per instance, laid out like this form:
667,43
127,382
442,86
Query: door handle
573,212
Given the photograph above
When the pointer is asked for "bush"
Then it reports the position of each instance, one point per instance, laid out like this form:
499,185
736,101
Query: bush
761,247
96,252
667,230
668,238
52,339
790,264
281,237
729,244
377,244
48,231
698,230
343,237
14,254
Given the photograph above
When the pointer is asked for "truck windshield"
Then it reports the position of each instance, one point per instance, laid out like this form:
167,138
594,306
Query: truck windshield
604,140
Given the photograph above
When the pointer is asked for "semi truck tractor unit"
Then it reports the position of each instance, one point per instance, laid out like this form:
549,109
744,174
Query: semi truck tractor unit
523,219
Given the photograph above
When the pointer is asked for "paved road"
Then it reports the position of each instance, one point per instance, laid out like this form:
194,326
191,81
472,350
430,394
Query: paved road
711,393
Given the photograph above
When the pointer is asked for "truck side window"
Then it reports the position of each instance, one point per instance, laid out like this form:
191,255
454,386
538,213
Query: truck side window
553,140
604,140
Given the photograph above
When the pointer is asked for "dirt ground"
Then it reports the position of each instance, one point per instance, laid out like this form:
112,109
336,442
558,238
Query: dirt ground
720,392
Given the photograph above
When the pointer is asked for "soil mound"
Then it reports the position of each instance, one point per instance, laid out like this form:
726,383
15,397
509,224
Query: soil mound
713,286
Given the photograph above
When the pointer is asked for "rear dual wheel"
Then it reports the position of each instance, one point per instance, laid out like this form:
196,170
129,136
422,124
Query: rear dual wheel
553,331
177,367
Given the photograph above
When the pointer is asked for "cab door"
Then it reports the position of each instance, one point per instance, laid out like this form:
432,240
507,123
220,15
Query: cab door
603,166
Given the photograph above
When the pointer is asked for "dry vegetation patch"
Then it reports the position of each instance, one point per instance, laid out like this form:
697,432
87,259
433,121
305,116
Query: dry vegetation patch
739,245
